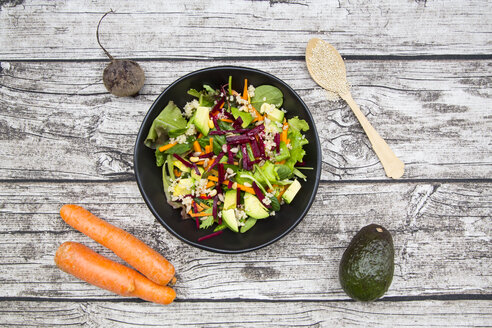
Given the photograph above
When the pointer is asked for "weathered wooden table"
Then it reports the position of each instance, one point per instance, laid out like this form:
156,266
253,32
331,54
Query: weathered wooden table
420,70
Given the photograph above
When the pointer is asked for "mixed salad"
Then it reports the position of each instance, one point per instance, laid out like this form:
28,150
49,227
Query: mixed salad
229,158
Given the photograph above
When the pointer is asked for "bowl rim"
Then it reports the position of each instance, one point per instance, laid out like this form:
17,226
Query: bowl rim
141,134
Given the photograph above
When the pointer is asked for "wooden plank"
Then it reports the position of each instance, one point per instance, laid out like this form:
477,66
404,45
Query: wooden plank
249,314
434,114
441,234
215,29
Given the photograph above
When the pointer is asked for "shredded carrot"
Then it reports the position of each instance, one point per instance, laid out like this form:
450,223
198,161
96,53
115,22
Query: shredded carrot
210,184
205,206
199,207
207,149
245,91
166,147
196,146
200,135
288,141
210,162
199,214
211,143
227,120
279,196
200,163
177,173
283,135
221,106
256,114
239,186
281,162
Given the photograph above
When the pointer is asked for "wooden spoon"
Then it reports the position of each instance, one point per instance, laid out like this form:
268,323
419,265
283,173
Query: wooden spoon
327,68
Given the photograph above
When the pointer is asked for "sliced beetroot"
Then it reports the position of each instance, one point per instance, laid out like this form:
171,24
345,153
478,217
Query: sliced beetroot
239,139
277,141
230,155
259,194
237,123
206,155
211,235
182,160
255,148
217,132
216,161
246,162
256,130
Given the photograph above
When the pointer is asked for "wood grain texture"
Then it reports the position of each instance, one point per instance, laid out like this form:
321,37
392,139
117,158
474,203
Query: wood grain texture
435,117
441,234
214,29
248,314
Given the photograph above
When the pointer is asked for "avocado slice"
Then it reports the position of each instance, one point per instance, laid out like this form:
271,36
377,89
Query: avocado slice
201,119
181,166
230,199
291,191
229,218
276,114
248,224
367,265
196,176
184,187
254,208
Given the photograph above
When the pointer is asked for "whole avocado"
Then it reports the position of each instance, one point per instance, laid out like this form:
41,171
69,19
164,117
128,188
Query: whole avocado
367,265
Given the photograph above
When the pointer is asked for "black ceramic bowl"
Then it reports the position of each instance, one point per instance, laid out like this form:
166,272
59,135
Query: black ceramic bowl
266,231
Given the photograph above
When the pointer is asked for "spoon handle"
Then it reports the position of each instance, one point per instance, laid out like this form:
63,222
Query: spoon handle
392,165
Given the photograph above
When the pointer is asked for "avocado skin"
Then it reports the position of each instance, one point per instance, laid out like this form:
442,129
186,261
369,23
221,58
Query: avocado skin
367,265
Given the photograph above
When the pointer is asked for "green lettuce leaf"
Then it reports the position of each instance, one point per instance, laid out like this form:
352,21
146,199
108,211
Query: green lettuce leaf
205,97
207,222
297,140
170,119
284,152
298,124
267,94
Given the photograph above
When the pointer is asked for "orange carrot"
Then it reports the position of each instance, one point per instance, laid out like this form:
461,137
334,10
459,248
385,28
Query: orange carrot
85,264
205,206
279,196
196,146
210,162
210,184
239,186
166,147
199,214
211,143
221,106
198,207
245,91
283,135
131,249
228,120
246,189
